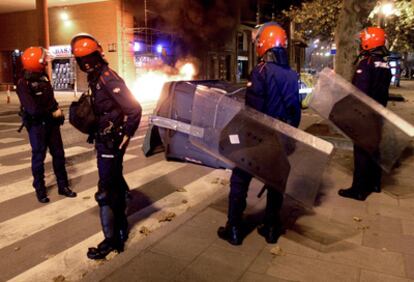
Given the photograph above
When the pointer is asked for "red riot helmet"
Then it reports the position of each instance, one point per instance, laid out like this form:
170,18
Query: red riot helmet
83,44
268,36
88,52
372,37
34,59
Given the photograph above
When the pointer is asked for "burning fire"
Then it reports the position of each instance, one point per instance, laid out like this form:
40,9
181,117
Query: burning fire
148,85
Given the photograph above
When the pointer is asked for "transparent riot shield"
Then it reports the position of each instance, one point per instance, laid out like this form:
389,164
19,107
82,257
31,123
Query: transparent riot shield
278,154
377,130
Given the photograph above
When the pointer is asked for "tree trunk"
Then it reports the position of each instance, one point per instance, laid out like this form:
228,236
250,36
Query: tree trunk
352,19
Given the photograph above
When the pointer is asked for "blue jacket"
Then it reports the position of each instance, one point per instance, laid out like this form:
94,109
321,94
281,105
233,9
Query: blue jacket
273,89
113,102
36,96
373,77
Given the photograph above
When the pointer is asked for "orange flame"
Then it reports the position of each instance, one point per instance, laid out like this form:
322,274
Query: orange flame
148,85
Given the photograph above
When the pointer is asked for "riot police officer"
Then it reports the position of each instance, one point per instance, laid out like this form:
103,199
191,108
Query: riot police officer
373,77
118,116
273,90
42,118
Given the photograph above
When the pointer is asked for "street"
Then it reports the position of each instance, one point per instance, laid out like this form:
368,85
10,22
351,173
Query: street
174,238
35,236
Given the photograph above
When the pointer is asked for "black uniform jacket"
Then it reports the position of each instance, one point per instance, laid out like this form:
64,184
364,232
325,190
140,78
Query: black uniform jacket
373,77
36,96
114,103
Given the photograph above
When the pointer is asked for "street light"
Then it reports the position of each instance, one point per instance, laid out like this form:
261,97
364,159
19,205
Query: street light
386,9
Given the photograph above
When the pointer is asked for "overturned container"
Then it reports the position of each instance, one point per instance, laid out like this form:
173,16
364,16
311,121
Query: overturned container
207,123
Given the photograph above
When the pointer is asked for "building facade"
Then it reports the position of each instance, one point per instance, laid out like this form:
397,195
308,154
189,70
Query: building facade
105,20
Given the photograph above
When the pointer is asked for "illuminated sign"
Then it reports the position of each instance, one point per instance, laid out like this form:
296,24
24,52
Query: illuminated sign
61,51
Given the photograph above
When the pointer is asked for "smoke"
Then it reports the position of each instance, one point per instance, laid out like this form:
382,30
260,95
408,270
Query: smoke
199,24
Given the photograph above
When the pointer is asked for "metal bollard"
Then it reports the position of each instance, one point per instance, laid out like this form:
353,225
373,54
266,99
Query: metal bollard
8,94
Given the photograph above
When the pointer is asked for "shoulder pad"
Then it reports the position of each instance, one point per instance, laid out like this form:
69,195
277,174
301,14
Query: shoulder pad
109,75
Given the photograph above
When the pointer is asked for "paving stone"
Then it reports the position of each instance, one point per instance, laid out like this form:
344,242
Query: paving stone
344,203
365,221
400,190
391,211
389,241
369,276
322,229
256,277
262,262
149,267
186,243
302,241
346,253
408,227
208,218
407,202
409,266
217,264
382,198
356,239
297,268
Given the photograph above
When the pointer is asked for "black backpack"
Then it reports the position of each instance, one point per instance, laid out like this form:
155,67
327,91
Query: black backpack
81,114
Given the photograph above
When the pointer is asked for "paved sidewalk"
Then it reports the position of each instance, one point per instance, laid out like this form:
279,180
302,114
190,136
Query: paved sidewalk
339,240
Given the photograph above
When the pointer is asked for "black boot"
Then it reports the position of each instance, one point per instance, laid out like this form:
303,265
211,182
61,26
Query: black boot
103,249
122,227
111,241
42,195
353,193
231,233
376,189
270,232
67,192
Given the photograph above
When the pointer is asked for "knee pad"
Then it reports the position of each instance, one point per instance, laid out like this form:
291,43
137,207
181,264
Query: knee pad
102,198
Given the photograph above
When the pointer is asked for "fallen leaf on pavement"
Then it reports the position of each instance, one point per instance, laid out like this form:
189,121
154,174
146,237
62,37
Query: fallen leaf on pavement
184,201
111,255
277,251
144,230
166,217
215,180
357,219
364,227
59,278
224,182
181,190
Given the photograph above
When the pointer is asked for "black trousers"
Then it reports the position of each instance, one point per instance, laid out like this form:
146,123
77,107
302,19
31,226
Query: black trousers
43,136
112,186
367,173
239,186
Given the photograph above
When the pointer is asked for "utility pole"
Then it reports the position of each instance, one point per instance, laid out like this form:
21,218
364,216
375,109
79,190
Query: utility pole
43,26
146,26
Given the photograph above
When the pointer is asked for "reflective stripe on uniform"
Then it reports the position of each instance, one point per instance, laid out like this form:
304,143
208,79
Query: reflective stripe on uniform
107,156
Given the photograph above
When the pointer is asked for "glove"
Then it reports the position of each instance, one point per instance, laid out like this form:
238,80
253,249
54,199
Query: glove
58,116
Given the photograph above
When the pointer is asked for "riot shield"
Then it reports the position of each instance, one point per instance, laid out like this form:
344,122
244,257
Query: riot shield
171,126
278,154
377,130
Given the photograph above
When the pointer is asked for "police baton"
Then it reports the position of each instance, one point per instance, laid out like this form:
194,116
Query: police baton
20,128
261,191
